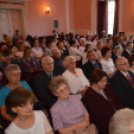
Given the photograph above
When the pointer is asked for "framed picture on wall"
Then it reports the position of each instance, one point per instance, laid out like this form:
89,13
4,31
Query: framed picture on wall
55,24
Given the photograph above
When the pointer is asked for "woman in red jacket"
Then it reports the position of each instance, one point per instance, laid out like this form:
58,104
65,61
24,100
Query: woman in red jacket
100,101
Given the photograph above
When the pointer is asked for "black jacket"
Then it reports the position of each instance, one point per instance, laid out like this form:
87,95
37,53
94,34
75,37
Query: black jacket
41,87
125,54
123,89
89,67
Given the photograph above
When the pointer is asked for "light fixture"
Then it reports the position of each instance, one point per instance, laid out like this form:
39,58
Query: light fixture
47,10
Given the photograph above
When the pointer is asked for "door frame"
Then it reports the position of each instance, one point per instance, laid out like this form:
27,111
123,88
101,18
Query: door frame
23,9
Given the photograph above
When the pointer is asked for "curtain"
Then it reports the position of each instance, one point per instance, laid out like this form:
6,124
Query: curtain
115,28
102,16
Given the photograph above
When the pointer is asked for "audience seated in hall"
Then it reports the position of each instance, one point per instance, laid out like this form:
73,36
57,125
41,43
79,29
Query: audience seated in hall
88,41
29,63
82,45
107,62
19,54
58,62
2,57
12,73
36,50
103,39
117,53
96,37
73,51
110,36
62,112
54,42
100,101
110,43
54,32
9,42
128,51
42,80
91,64
42,43
8,59
4,37
16,35
63,52
75,78
131,38
125,40
122,122
88,48
20,101
16,43
65,43
122,83
98,50
47,50
120,42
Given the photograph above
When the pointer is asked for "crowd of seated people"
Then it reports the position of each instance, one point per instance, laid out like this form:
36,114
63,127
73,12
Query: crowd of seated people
78,82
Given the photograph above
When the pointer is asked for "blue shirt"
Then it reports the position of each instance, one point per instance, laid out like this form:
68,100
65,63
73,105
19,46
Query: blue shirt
5,91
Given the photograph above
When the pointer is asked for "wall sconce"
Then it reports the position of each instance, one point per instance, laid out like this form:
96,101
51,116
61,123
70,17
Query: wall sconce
47,10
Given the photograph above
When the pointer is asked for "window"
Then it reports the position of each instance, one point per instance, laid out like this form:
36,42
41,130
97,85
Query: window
111,7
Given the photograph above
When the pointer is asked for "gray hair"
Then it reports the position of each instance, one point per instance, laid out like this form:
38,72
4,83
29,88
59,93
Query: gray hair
119,123
116,48
67,60
11,67
46,58
117,62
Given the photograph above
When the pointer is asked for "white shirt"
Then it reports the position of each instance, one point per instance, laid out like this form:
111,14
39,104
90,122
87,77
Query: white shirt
47,52
81,49
40,126
84,58
37,51
98,54
94,43
75,52
76,82
53,45
107,66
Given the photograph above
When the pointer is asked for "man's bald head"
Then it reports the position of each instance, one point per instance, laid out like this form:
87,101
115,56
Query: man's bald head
56,53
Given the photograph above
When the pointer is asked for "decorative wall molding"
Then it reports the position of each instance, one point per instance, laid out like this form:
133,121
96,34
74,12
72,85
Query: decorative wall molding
120,15
67,16
83,32
93,17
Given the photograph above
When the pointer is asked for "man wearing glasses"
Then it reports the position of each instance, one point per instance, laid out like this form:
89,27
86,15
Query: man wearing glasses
122,83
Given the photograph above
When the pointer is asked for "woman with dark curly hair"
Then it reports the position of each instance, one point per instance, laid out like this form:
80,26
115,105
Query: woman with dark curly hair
106,61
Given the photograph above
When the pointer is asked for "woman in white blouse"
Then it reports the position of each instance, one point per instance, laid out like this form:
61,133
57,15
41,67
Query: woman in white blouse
84,56
36,50
82,45
27,121
106,61
73,51
98,50
77,82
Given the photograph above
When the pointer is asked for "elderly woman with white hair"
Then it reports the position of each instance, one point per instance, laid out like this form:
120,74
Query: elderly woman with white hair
12,72
122,122
77,82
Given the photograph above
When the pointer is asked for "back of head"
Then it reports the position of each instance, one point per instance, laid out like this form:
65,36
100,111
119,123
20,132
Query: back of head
121,121
7,52
48,42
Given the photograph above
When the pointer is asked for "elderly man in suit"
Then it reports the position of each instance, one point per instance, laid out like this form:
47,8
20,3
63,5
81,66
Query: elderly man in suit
122,83
91,64
42,80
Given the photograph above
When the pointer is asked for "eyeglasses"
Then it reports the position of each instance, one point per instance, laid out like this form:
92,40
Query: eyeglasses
104,81
62,91
15,75
26,104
